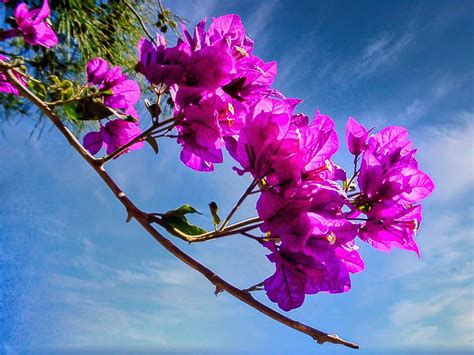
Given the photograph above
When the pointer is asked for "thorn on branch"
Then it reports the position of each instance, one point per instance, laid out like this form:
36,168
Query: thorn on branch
218,290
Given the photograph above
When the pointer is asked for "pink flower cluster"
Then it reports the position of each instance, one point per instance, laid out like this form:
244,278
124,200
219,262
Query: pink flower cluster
32,25
118,93
390,185
35,30
215,82
223,92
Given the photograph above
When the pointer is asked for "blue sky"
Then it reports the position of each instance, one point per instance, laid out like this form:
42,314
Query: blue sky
73,275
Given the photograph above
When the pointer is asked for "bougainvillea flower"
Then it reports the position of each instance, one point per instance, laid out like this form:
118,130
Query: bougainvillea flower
33,26
230,28
321,267
252,80
199,134
286,286
113,135
390,140
207,70
319,142
161,64
390,160
119,92
356,136
391,225
5,85
97,69
267,140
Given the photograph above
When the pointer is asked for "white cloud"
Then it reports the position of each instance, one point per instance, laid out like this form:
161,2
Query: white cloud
381,51
442,320
447,155
144,305
257,27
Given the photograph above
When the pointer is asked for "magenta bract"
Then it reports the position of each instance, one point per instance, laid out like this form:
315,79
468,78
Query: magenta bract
113,135
33,26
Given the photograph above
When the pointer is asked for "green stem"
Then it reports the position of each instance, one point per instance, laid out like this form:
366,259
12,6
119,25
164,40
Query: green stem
237,205
137,139
76,98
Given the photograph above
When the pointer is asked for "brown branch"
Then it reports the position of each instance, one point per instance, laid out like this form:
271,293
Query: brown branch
237,228
142,218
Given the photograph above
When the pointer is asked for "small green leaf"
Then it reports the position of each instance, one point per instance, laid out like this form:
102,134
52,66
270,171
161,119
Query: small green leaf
65,84
67,93
176,219
38,88
214,212
181,211
93,109
153,144
54,79
182,224
107,92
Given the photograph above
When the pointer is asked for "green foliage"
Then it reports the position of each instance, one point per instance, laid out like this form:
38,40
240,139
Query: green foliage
99,29
86,29
177,219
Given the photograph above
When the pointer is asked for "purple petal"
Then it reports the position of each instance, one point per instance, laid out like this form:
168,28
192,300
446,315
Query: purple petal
97,68
123,95
286,287
43,12
388,140
195,162
356,136
420,186
21,13
118,133
92,141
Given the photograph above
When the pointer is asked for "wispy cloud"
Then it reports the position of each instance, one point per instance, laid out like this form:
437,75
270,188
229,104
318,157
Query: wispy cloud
258,26
144,305
447,154
382,50
417,323
193,11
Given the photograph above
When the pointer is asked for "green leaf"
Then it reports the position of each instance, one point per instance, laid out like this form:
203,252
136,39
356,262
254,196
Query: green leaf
54,79
182,224
181,211
67,93
38,88
65,84
177,219
92,110
71,112
214,212
153,144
